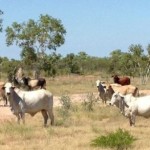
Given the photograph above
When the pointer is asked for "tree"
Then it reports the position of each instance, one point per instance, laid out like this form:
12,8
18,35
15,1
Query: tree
28,55
141,62
46,33
1,21
50,63
71,63
115,56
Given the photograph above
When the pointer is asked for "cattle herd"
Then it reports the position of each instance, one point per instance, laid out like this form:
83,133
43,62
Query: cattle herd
128,98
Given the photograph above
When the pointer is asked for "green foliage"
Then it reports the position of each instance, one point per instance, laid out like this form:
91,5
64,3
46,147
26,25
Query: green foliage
1,20
119,140
89,102
28,55
50,64
64,111
47,32
66,106
35,37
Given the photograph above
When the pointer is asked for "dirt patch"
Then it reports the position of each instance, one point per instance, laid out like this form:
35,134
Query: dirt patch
5,113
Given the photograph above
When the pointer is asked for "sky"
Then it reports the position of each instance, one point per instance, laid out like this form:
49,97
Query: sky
96,27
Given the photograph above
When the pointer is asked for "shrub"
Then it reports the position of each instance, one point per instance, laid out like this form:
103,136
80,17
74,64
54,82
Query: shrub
119,140
66,106
89,102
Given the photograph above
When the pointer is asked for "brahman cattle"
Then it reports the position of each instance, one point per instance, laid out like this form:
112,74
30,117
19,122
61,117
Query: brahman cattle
122,81
134,106
31,102
117,100
34,83
101,89
2,94
126,89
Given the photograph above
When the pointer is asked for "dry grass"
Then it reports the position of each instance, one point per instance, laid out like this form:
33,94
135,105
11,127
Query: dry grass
80,127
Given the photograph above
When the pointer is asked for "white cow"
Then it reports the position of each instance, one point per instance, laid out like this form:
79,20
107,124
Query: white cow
31,102
102,91
119,100
135,106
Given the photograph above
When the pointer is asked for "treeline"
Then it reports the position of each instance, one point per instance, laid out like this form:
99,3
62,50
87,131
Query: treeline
135,62
55,64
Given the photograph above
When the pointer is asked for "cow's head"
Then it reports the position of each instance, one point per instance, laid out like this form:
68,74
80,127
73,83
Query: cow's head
98,82
116,98
8,88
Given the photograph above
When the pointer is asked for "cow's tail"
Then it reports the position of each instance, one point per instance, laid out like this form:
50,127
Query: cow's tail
136,92
44,86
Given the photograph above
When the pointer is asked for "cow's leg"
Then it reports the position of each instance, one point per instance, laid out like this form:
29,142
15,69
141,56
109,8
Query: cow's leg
18,118
22,115
5,101
51,115
132,120
45,116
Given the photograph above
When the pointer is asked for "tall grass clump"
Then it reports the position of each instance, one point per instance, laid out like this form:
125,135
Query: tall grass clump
64,110
119,140
89,102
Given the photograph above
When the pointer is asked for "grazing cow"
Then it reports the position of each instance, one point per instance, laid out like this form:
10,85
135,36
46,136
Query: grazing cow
122,81
135,106
101,89
34,83
31,102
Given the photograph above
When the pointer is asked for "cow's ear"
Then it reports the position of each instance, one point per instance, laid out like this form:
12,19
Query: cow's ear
122,97
13,87
3,88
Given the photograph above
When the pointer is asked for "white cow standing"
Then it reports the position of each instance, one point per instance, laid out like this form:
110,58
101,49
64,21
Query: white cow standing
101,89
31,102
133,106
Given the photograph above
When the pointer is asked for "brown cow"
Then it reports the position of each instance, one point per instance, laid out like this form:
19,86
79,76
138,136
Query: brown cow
122,81
124,90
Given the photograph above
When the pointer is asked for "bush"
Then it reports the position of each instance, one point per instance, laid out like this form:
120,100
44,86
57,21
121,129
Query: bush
89,102
66,106
119,140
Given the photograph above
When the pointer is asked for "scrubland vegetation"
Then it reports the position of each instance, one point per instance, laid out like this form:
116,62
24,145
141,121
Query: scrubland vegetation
76,125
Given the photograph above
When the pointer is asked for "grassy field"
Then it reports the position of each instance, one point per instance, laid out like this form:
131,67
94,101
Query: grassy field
76,128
